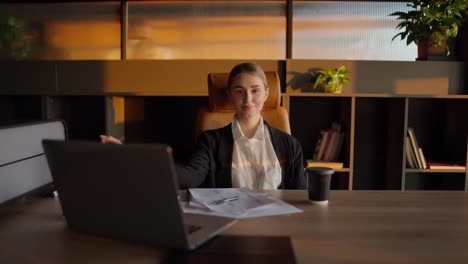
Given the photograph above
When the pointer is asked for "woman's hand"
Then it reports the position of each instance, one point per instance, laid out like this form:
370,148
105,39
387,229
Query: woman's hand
109,140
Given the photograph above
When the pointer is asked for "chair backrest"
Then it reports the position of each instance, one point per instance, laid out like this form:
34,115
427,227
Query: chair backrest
219,111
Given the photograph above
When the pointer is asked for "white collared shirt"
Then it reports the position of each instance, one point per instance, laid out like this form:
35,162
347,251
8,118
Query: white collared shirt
254,161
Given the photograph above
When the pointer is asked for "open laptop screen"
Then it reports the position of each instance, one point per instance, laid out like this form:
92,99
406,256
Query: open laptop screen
119,191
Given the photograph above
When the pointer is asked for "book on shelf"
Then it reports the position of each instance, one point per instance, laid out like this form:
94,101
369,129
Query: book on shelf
423,159
444,166
337,143
410,158
321,163
328,146
320,144
415,148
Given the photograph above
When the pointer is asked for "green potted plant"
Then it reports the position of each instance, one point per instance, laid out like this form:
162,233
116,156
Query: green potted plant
331,80
431,23
15,39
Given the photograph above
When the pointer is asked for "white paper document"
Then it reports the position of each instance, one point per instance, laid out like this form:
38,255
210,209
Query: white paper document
236,203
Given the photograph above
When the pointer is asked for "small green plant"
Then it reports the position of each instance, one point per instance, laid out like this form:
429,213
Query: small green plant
436,21
331,80
14,39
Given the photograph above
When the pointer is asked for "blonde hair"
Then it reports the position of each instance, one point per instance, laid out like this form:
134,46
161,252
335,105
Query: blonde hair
247,67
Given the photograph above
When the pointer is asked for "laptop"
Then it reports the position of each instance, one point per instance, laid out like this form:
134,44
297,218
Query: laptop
126,192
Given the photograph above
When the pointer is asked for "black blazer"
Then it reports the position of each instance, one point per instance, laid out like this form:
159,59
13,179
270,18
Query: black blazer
210,164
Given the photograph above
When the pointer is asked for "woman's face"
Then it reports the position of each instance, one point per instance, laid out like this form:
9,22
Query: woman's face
247,94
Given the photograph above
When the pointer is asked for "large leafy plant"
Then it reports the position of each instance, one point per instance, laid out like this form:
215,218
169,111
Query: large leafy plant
435,21
332,80
15,39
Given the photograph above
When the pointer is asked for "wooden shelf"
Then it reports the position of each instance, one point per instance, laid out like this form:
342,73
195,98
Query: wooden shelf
342,170
434,171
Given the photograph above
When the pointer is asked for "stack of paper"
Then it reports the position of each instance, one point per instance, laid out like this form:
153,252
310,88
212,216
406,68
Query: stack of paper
236,203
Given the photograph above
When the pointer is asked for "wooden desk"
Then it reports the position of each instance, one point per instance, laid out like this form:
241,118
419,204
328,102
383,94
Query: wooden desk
356,227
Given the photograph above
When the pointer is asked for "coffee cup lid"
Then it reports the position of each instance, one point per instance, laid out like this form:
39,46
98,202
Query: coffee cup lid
320,170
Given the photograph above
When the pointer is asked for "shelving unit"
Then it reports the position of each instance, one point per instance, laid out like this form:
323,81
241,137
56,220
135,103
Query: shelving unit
84,115
311,113
441,132
375,131
20,108
168,119
374,124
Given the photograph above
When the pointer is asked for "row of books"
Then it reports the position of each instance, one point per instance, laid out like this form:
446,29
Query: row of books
415,156
328,146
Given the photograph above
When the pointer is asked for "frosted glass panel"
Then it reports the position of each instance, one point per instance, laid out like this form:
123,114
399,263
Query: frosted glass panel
348,30
60,31
207,30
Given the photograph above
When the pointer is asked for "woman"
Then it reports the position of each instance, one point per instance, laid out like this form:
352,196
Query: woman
248,152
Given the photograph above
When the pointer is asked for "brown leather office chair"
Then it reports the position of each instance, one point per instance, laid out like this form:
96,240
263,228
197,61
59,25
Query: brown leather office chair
220,111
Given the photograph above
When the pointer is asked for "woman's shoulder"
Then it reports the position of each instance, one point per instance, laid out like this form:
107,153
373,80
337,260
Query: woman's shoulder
218,130
276,132
281,138
284,142
217,133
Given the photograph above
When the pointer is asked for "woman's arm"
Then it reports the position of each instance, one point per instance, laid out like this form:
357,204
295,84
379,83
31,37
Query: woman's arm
194,172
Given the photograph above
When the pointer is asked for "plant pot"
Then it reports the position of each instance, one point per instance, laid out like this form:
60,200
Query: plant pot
322,88
437,51
334,90
427,51
423,46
